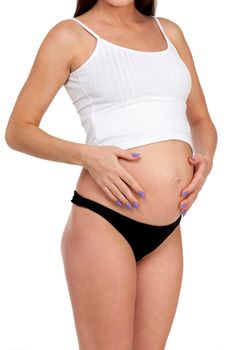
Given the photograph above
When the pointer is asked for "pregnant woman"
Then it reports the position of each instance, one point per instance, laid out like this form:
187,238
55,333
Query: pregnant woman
149,148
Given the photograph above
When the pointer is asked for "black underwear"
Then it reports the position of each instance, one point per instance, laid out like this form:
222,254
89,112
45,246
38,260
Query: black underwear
143,238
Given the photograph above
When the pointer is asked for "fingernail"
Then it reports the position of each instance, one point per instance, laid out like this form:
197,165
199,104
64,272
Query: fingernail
142,194
118,203
183,206
184,194
129,206
135,204
192,157
184,212
136,154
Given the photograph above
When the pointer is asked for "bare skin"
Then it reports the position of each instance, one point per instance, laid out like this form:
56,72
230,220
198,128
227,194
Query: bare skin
159,278
117,304
91,241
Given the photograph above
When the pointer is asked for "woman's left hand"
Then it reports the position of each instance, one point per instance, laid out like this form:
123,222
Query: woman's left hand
202,168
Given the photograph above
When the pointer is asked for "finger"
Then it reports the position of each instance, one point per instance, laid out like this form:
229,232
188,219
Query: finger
123,191
111,196
118,198
132,182
195,184
196,157
121,197
186,204
192,161
127,154
118,194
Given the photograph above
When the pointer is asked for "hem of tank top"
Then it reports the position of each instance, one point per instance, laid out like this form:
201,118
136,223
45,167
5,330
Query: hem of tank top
136,100
138,143
133,145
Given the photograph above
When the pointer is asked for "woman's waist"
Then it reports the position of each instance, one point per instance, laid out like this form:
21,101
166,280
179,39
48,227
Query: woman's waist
137,122
162,171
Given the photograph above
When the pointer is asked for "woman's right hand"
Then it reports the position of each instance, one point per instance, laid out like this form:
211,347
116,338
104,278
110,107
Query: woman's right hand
103,165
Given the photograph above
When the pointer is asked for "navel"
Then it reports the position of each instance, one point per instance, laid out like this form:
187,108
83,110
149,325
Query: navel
177,179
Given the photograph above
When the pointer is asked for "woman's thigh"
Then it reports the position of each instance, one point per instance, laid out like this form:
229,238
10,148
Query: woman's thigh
159,278
100,270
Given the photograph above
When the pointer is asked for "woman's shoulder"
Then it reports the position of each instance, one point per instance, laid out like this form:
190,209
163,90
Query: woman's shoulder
61,39
172,28
64,31
173,31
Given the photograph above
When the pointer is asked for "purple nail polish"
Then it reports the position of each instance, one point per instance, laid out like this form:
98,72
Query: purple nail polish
184,194
184,212
142,194
136,154
129,206
135,204
118,203
183,205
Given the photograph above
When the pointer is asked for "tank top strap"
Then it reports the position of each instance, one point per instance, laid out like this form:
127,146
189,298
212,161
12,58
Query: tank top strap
169,43
85,27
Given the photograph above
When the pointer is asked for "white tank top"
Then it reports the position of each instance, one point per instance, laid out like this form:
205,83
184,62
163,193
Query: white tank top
127,98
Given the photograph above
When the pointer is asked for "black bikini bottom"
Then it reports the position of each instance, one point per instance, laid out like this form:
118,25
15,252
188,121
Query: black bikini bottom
143,238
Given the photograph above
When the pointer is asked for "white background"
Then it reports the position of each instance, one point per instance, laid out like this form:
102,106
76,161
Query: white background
35,194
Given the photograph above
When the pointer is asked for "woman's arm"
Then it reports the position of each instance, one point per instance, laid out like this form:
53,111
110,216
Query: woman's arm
49,71
55,58
203,131
204,134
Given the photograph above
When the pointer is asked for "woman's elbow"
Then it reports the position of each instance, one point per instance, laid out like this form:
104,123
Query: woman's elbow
12,136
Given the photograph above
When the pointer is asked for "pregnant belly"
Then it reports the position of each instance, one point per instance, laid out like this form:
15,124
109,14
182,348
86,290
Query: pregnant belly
163,171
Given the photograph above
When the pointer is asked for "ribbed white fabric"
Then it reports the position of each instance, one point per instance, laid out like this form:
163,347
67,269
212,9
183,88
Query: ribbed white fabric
127,98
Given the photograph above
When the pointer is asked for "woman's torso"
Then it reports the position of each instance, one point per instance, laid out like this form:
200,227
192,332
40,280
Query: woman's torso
163,169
